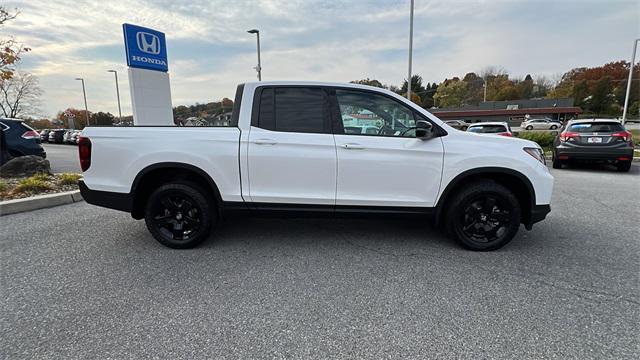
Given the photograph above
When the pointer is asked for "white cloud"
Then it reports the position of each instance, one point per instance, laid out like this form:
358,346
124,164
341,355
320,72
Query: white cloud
210,52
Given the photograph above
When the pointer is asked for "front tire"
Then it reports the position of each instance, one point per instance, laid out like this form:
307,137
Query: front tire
483,216
180,215
553,127
529,127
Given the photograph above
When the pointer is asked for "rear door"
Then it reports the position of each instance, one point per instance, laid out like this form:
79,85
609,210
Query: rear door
391,167
291,151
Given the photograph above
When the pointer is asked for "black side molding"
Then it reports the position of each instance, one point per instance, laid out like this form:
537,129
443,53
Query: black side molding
538,213
108,199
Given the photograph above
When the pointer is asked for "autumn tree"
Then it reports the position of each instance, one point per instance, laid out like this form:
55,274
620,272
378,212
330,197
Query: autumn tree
20,95
102,118
75,117
10,49
367,81
451,93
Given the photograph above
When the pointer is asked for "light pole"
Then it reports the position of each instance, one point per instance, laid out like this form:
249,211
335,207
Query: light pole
410,51
259,67
117,93
84,94
626,97
484,85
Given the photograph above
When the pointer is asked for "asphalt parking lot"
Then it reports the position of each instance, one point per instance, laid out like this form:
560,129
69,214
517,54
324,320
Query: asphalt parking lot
63,158
84,282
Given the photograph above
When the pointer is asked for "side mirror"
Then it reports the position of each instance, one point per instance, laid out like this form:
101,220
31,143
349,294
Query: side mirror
424,130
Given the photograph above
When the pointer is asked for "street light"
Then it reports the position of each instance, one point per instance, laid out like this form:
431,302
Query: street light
84,94
410,52
626,97
259,67
117,93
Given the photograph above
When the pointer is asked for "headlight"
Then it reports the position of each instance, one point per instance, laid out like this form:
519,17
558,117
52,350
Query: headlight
537,153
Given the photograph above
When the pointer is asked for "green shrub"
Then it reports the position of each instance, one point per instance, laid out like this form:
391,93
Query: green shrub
32,184
40,177
543,138
69,179
3,186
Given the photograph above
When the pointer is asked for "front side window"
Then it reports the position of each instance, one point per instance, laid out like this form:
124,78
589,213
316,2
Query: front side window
294,109
366,113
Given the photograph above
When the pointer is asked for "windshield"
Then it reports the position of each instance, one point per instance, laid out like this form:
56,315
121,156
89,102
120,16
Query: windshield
596,127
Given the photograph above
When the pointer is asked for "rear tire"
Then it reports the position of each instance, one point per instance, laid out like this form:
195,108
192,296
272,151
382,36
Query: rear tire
180,215
624,166
483,216
529,127
553,127
557,164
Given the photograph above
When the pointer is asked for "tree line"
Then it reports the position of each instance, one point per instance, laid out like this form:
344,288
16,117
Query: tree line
598,90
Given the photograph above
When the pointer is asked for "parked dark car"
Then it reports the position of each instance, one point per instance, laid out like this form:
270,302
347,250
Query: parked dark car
19,139
57,136
44,135
601,140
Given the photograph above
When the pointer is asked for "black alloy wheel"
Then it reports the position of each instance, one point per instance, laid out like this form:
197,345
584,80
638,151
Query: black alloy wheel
485,219
484,216
179,215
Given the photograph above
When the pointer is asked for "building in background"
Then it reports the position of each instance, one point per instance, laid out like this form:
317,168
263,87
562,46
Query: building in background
512,111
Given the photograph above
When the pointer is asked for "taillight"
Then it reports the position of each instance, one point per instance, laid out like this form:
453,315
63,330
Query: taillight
568,135
625,135
31,135
84,151
506,134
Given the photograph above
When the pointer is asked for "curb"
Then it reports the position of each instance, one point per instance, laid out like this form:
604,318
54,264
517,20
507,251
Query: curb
39,202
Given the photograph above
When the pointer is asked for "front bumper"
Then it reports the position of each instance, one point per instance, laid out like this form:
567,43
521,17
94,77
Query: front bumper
108,199
538,213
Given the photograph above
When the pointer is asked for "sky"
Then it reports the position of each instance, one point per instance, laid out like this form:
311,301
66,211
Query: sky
210,51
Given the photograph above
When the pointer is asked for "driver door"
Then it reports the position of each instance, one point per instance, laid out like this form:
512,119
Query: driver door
390,168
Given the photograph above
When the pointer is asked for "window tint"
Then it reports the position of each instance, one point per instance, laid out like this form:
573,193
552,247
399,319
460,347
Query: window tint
367,113
294,109
266,119
487,129
596,127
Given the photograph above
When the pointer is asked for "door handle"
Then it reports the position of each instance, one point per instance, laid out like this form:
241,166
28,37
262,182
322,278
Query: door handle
265,142
353,146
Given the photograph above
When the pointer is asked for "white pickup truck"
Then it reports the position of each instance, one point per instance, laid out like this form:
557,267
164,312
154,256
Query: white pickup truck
286,152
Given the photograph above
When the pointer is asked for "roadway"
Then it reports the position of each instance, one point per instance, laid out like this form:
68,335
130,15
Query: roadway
79,282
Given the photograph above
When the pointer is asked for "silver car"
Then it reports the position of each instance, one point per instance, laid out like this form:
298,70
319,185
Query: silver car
541,124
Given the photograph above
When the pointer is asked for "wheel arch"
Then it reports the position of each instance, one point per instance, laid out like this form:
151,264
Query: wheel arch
512,179
154,175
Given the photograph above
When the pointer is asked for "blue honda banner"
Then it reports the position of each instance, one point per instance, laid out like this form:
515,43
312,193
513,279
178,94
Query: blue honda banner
146,48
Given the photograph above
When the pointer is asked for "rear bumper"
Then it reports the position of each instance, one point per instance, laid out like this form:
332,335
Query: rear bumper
583,153
111,200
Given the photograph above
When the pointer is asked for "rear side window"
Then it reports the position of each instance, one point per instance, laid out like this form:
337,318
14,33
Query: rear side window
487,129
294,109
595,127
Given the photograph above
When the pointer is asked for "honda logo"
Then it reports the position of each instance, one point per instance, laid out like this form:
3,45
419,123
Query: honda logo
148,43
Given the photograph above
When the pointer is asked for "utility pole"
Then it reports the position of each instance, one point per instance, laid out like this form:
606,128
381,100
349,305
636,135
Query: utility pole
410,51
117,94
259,67
626,97
84,94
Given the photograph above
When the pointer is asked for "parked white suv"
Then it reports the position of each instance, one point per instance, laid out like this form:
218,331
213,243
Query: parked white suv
286,153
